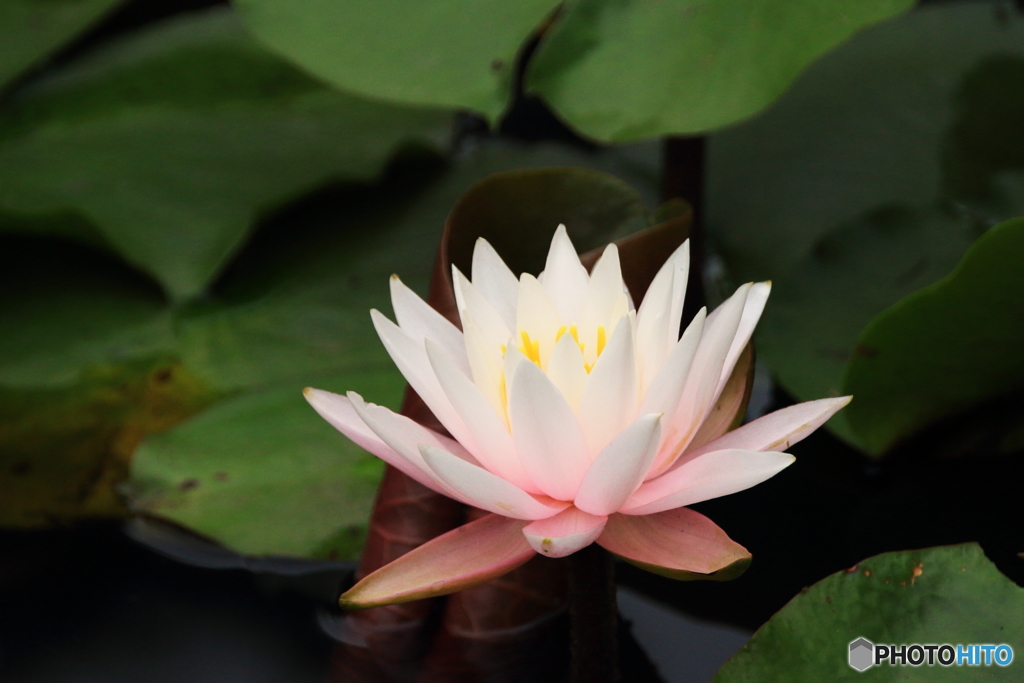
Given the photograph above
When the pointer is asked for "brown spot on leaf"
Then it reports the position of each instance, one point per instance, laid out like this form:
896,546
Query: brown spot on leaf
864,351
918,570
497,64
220,476
867,572
853,569
188,484
163,376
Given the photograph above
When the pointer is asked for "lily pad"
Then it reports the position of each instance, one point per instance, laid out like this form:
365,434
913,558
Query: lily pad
447,53
869,126
265,475
30,30
949,594
168,144
819,309
945,348
626,70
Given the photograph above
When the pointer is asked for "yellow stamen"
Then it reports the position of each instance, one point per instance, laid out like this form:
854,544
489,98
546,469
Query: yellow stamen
558,335
601,339
576,336
530,348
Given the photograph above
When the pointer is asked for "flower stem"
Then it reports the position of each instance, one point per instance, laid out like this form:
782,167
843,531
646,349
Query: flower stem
593,611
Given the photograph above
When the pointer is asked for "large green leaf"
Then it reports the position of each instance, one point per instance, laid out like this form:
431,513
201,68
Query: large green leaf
170,143
448,53
264,474
869,126
950,594
32,29
818,310
626,70
869,181
946,348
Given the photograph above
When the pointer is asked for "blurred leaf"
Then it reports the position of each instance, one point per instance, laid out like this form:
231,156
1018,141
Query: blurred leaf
296,307
30,30
868,126
67,308
869,181
62,451
626,70
950,594
86,371
945,348
819,308
265,475
447,53
171,143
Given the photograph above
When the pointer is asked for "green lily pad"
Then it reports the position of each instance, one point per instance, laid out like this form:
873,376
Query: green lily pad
949,594
620,71
819,309
945,348
870,126
168,144
30,30
447,53
265,475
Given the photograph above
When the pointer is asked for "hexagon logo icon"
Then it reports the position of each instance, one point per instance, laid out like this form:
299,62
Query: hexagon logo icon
862,654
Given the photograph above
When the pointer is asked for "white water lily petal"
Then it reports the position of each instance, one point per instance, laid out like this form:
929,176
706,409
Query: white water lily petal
656,329
420,321
757,297
712,475
609,402
776,431
566,370
548,437
486,490
495,281
604,303
411,358
667,387
702,381
338,411
474,307
487,363
536,317
565,533
497,450
620,468
564,277
404,437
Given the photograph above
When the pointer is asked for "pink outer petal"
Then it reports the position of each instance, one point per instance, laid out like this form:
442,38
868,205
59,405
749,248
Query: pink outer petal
776,431
565,533
680,544
620,468
338,411
712,475
485,490
467,556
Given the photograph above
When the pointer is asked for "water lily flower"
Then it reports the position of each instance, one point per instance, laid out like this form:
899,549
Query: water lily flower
574,418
